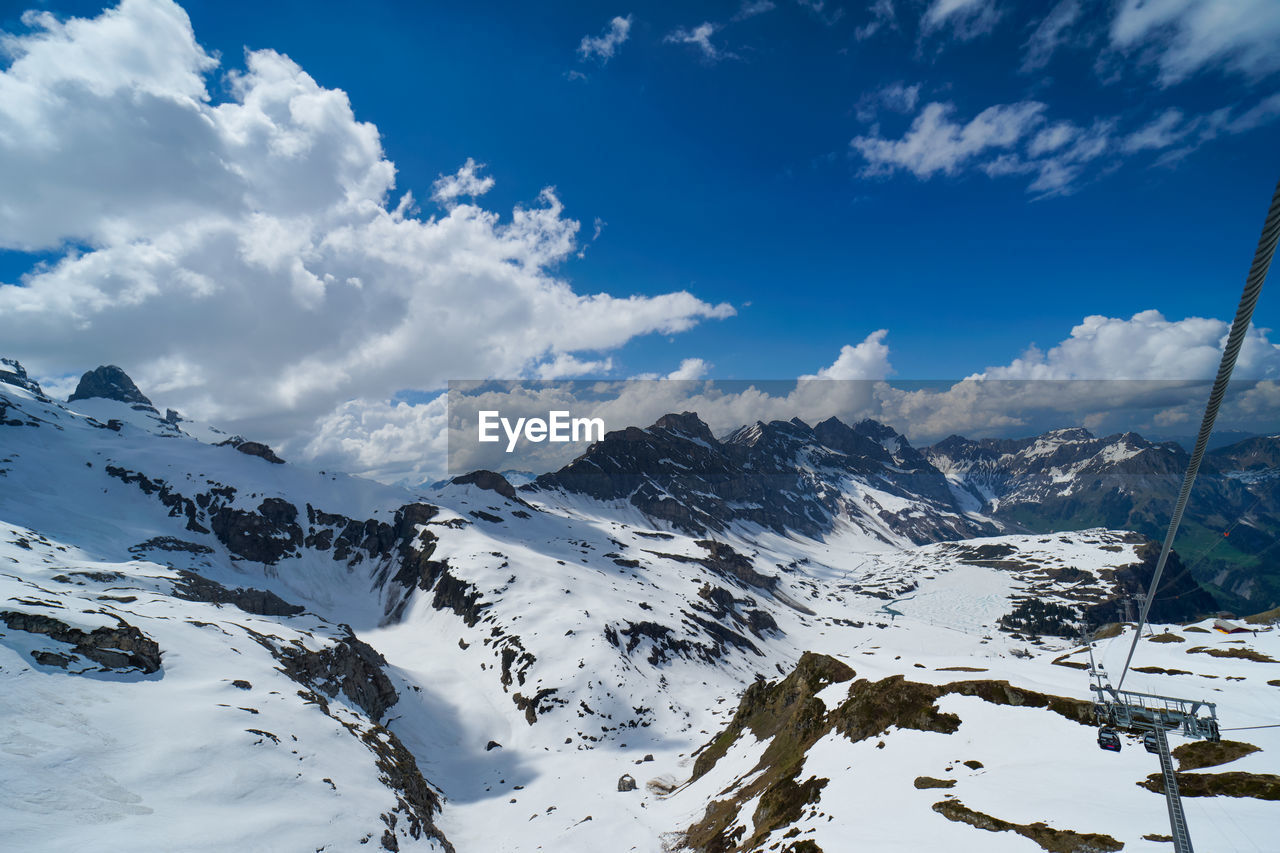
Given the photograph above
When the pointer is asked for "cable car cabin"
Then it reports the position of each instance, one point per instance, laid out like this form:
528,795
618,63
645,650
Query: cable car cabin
1108,740
1149,741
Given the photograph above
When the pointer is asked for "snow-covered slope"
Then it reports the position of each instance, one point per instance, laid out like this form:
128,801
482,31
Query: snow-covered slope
139,714
539,644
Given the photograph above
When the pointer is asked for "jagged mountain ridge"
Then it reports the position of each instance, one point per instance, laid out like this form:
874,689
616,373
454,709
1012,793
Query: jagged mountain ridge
782,476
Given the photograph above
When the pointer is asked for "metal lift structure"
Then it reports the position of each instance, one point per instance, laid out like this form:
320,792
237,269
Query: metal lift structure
1153,717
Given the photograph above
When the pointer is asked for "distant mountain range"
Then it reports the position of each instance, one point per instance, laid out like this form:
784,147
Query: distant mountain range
788,476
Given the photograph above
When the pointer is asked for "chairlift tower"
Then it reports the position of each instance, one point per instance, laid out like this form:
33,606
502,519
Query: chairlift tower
1154,716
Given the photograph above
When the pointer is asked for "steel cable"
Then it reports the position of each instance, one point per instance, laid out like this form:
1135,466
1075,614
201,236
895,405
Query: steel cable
1235,340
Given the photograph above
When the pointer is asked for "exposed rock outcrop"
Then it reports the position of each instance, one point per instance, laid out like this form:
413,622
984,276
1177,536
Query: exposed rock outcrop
349,665
194,587
13,373
251,448
263,536
122,648
1235,783
354,668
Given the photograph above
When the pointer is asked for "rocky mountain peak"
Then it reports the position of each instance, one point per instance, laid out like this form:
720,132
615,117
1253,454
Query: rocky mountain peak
955,445
776,435
13,373
875,429
491,480
838,435
111,383
1069,434
687,423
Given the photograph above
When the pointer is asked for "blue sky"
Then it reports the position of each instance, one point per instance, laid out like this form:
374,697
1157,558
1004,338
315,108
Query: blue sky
735,178
965,174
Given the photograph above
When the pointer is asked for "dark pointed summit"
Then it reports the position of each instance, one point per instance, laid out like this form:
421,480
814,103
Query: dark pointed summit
111,383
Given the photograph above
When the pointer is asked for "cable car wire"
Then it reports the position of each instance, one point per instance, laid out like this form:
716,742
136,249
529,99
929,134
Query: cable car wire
1235,340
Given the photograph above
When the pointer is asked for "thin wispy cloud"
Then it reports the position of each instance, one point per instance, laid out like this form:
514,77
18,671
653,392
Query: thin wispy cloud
1168,129
700,38
1184,37
829,16
964,19
937,143
753,8
897,97
1264,112
1021,139
604,46
882,17
1050,34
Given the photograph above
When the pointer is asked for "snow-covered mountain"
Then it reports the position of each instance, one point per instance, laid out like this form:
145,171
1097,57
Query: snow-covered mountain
203,648
1070,479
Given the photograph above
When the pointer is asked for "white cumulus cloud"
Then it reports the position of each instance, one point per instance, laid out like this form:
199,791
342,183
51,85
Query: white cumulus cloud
465,182
242,256
866,360
1145,346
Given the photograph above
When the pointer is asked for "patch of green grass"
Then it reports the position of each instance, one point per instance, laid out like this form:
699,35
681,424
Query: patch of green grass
1241,654
923,782
1202,753
1050,839
1158,670
1259,786
1266,617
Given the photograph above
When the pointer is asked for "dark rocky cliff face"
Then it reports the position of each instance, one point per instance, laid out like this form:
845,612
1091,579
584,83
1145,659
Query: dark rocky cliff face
350,666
